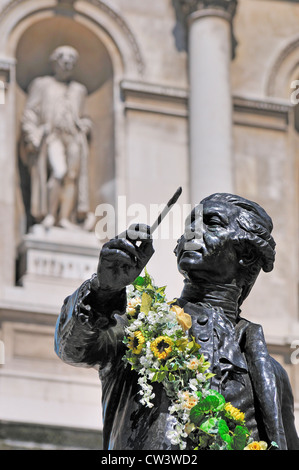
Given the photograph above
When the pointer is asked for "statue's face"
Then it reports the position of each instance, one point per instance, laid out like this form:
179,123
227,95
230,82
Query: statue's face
64,63
206,250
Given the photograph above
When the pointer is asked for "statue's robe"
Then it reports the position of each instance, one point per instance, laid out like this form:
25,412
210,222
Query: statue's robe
245,373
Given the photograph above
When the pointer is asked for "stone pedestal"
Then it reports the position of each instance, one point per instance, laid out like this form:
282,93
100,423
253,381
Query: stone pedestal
56,257
36,387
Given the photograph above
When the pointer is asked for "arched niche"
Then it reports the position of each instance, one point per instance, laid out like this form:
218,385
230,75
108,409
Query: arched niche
283,78
283,84
284,69
109,34
94,69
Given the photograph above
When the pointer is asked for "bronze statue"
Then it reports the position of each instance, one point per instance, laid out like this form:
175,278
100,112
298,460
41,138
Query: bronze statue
220,266
54,145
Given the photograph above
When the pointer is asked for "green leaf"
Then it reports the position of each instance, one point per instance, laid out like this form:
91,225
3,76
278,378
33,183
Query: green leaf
196,416
220,398
161,290
224,431
181,344
239,438
161,376
155,377
203,441
147,278
193,346
210,403
209,375
139,281
209,425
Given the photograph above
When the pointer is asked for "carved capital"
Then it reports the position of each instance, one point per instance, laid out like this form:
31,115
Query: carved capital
225,6
195,9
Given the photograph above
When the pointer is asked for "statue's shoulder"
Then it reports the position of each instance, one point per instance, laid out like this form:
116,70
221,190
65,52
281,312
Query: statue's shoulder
249,326
41,82
79,87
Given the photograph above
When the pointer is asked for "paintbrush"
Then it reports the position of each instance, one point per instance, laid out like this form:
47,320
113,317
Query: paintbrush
165,211
155,225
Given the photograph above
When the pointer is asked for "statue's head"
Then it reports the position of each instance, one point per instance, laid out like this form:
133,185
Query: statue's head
64,59
228,243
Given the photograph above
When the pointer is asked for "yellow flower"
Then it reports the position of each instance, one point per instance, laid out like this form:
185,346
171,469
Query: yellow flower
162,347
183,319
261,445
189,401
136,342
234,413
132,306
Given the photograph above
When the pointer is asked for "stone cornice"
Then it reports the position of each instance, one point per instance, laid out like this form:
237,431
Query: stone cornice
262,113
154,98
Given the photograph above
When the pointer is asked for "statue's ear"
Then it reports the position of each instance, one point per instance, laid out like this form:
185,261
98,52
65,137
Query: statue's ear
248,256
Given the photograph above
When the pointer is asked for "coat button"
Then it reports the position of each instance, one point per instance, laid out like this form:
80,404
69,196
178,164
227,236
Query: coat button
202,319
204,337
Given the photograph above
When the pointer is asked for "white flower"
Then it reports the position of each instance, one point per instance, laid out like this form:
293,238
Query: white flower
193,384
138,323
200,377
173,436
130,291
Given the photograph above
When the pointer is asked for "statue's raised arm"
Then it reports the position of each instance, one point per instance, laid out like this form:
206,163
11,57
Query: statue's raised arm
88,320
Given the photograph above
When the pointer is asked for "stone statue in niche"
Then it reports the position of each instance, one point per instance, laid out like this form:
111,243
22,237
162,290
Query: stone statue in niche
54,147
220,268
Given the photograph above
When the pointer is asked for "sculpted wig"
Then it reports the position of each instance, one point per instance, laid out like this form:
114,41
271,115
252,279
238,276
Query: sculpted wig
253,237
58,52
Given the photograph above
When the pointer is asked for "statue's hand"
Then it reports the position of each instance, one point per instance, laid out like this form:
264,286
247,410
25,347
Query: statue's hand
36,136
85,125
123,258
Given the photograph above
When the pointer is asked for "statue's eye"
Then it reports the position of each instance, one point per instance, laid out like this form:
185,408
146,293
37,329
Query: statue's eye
213,221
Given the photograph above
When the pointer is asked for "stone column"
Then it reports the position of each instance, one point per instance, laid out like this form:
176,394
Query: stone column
210,103
7,172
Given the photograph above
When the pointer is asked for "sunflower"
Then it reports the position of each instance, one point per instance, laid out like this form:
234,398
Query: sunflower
136,342
234,413
162,347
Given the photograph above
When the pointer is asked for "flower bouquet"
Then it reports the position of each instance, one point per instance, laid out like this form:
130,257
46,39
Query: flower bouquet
161,349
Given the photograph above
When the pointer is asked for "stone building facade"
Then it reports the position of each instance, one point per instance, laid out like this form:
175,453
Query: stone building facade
193,93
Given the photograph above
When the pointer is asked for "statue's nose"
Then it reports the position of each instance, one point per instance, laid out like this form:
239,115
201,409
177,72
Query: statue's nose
193,235
193,231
